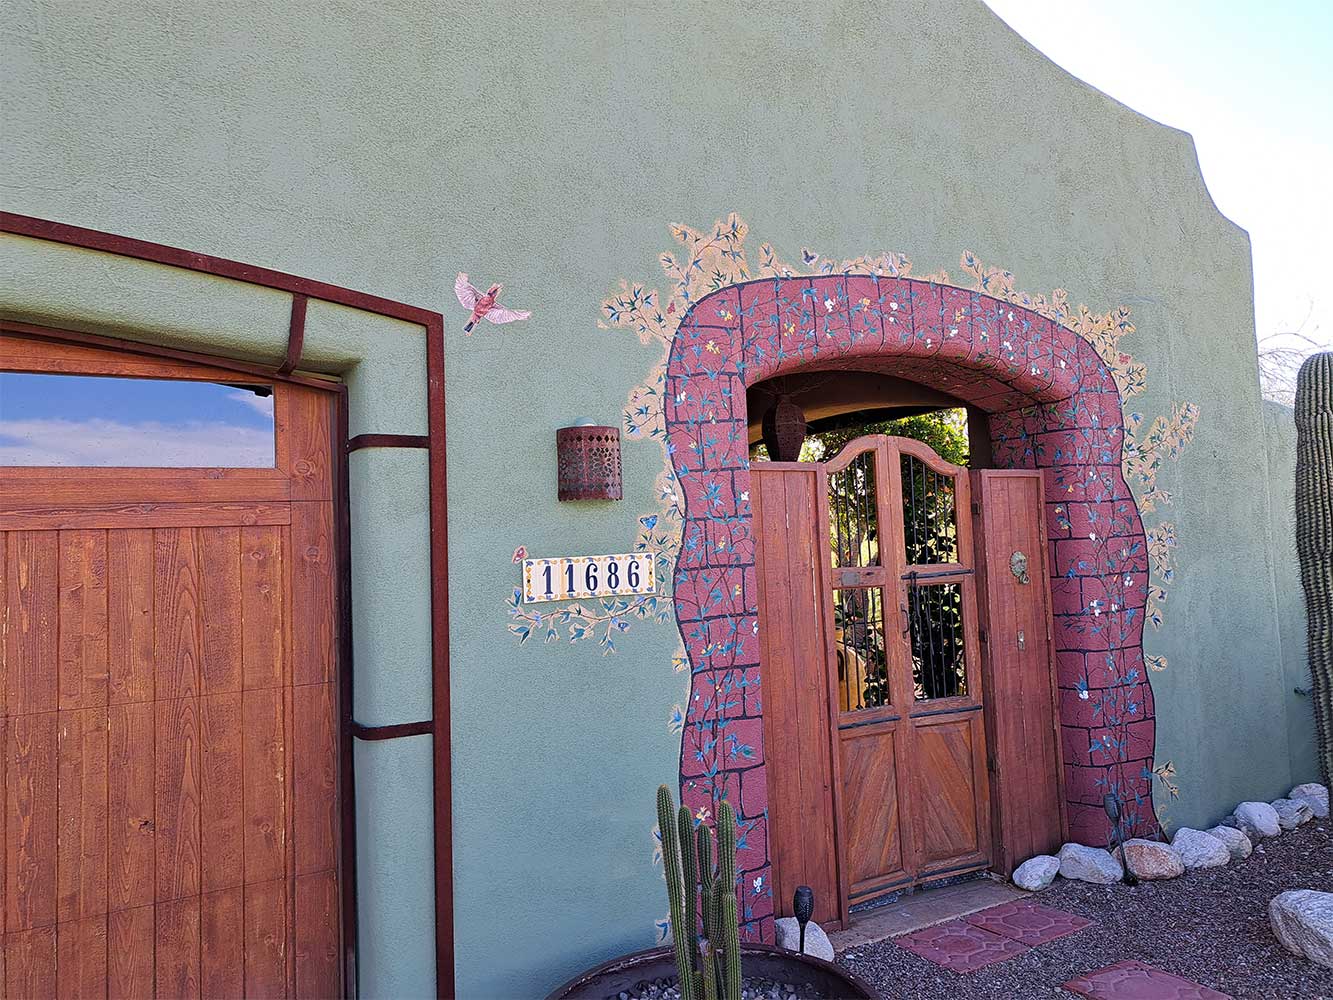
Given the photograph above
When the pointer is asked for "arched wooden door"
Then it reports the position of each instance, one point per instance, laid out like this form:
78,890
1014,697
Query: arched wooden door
903,653
874,730
169,685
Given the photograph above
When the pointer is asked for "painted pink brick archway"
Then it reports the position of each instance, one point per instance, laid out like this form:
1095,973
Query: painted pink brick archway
1053,404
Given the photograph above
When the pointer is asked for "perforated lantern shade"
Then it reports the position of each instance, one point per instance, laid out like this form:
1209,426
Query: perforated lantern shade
588,458
783,430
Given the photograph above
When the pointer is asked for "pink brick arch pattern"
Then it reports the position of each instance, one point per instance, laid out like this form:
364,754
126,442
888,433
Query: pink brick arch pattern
1053,404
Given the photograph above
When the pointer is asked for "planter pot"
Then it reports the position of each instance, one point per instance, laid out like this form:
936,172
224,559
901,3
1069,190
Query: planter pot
624,973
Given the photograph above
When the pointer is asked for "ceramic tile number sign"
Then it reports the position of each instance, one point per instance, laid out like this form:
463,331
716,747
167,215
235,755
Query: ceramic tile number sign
572,577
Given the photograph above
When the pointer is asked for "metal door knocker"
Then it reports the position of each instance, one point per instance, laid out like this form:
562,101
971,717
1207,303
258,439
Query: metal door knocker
1018,565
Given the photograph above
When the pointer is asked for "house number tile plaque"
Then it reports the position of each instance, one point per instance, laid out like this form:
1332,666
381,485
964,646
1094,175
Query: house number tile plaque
574,577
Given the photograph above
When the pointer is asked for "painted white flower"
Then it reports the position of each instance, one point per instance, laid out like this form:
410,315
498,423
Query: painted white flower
1062,363
893,306
1011,316
953,331
929,342
745,495
758,883
1115,608
1092,535
1083,696
829,305
1128,580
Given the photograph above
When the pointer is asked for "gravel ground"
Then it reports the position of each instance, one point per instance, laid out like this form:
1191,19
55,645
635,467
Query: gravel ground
1210,926
752,988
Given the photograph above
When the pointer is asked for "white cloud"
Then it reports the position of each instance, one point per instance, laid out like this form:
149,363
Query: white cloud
149,444
260,404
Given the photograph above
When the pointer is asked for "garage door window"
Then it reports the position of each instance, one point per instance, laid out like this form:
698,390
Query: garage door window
99,421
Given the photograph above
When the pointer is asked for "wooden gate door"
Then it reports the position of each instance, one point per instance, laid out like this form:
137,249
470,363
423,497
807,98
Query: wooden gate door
912,788
791,549
169,711
1021,687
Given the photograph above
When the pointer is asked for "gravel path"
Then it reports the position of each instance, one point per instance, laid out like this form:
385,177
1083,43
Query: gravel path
1210,926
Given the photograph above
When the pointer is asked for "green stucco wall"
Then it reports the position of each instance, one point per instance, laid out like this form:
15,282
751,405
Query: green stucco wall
548,147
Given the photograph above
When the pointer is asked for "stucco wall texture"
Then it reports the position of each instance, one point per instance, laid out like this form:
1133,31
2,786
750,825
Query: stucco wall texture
548,147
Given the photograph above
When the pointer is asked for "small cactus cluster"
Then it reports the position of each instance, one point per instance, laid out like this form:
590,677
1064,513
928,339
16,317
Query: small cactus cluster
1314,536
708,963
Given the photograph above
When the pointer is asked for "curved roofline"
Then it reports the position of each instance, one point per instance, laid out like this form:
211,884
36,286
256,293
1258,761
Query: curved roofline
1173,130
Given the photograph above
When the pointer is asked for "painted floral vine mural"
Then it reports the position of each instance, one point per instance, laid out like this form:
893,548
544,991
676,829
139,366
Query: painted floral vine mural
1113,582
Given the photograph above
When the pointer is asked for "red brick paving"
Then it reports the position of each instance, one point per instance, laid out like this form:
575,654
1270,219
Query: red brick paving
1136,981
1027,922
959,946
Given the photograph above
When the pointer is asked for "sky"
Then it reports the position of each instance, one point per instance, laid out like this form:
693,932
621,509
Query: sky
79,420
1253,83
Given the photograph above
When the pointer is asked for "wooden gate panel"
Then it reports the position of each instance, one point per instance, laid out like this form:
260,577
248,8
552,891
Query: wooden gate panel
872,845
797,745
948,753
1021,694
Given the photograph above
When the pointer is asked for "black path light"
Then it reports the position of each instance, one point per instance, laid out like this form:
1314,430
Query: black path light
803,906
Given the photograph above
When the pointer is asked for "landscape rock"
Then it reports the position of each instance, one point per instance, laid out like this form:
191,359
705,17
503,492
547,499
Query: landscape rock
1255,820
1314,795
1291,813
1236,841
816,941
1302,919
1036,873
1199,850
1090,864
1150,859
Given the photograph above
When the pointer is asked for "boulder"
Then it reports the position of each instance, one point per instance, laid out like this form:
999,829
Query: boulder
1150,859
1291,813
1090,864
1315,796
1236,841
1199,850
1255,820
816,941
1302,920
1036,873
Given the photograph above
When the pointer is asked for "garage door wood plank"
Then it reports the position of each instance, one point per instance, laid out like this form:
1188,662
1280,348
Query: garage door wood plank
131,807
130,569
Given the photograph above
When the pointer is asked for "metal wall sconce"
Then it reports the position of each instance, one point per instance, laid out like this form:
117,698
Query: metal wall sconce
588,461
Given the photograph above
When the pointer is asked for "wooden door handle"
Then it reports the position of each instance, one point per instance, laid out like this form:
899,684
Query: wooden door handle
907,625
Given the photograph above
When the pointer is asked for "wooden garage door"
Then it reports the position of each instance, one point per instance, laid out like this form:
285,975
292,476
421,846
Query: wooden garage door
169,705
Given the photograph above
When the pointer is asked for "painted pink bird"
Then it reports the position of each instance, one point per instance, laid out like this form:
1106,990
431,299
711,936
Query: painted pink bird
484,305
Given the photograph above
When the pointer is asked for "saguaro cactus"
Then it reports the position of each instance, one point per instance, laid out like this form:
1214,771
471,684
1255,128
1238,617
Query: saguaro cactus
708,893
1314,536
